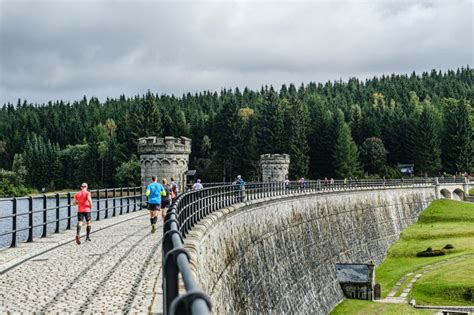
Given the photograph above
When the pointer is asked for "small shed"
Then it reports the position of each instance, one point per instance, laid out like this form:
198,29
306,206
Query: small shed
356,280
191,177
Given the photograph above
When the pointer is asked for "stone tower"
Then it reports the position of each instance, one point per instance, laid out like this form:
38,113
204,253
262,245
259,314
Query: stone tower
164,157
274,167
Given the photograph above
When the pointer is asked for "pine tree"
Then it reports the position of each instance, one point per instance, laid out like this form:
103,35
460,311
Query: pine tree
345,155
427,157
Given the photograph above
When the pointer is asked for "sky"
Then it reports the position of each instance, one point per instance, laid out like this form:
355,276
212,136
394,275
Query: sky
64,49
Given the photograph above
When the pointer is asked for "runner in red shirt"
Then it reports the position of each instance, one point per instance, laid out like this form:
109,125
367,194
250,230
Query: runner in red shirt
83,201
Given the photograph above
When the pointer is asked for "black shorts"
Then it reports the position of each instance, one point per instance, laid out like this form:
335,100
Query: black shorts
165,203
153,207
81,216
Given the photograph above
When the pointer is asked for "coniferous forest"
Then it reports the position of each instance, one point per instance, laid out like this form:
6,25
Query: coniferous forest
337,129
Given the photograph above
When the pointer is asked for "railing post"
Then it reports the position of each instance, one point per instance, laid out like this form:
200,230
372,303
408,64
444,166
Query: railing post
106,203
113,202
135,199
30,219
45,217
57,214
68,211
128,199
98,205
14,204
121,200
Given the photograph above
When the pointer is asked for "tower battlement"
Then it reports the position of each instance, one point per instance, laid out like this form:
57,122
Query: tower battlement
181,145
275,159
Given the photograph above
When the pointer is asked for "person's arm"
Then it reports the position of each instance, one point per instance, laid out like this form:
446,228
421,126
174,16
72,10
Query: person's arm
74,201
89,198
163,191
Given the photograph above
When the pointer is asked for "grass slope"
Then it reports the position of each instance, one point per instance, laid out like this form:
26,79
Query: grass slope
359,307
443,222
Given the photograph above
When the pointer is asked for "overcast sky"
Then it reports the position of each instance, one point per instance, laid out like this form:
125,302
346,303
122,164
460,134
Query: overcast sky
64,49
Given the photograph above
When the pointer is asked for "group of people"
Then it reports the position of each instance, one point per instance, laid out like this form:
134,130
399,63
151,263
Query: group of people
160,198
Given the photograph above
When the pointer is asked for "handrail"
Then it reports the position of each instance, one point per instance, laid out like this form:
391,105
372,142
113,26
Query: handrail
51,211
192,206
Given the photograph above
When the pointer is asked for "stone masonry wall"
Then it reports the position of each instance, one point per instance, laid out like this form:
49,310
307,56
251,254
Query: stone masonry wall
278,255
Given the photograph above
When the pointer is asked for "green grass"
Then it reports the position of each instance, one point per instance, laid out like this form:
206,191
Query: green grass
359,307
443,222
447,285
471,192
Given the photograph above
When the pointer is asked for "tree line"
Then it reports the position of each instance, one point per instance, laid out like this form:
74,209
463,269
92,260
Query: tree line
337,129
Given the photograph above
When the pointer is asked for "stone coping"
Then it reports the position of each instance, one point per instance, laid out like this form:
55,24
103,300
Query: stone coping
12,257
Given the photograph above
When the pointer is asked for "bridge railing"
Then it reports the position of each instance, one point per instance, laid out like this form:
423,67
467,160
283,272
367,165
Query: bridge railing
193,206
38,216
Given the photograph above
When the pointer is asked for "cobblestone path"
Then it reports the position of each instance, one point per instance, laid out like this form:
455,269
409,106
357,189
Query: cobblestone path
118,272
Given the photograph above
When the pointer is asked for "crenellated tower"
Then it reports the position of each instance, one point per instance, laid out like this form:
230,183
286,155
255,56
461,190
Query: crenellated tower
274,167
164,157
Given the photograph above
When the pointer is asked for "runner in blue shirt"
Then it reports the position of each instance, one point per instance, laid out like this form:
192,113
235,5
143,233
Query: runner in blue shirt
154,191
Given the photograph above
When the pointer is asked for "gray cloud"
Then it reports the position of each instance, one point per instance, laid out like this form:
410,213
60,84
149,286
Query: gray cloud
66,49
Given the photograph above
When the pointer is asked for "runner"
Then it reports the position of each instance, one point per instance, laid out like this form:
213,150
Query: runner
165,200
83,201
174,190
154,191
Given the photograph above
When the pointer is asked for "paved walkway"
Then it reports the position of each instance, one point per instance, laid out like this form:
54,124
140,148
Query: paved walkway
118,272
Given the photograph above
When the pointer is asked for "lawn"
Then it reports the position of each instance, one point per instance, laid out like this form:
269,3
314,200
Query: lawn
360,307
443,222
451,284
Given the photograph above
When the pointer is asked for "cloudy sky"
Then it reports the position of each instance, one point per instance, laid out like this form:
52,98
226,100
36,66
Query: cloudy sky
65,49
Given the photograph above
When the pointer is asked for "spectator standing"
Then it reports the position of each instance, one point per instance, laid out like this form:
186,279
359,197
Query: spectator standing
197,185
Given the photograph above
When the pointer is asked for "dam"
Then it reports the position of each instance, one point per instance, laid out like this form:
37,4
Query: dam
278,255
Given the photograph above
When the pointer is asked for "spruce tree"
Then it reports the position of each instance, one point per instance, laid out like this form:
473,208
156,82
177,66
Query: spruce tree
345,155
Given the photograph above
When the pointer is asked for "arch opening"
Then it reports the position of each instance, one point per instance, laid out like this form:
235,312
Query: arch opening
458,194
445,193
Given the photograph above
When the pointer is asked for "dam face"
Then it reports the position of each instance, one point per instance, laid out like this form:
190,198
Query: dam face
278,255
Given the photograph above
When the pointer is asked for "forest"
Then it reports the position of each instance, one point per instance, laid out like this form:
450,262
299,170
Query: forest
358,128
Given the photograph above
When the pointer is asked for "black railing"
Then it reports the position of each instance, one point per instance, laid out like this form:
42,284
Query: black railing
192,206
49,213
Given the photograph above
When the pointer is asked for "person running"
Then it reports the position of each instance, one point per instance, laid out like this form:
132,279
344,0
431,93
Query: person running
165,199
83,200
174,190
154,191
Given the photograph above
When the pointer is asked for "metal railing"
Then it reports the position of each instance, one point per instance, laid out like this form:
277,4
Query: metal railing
44,214
193,206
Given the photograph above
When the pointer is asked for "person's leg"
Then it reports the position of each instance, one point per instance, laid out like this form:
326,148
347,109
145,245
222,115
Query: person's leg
154,218
89,227
78,228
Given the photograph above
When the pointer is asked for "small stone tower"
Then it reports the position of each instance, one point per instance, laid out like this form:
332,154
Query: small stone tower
274,167
164,157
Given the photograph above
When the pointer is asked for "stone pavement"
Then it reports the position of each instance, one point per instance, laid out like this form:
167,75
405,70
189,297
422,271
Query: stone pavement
118,272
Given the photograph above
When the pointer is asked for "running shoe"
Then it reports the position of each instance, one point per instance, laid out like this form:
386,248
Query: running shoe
78,240
88,239
153,228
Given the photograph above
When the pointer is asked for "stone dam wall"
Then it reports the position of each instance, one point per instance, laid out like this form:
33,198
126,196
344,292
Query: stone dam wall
278,255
